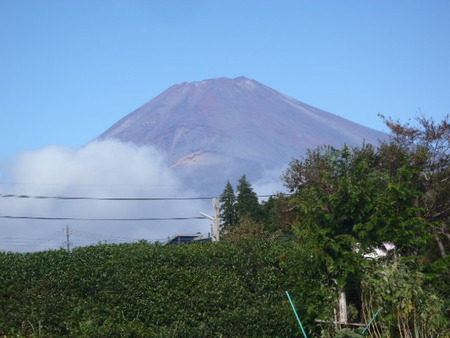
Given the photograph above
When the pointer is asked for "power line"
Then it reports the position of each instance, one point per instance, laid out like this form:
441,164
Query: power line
102,219
117,198
93,236
106,198
87,239
90,235
109,199
31,243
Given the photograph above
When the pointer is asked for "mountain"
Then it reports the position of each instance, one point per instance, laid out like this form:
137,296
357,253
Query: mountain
220,129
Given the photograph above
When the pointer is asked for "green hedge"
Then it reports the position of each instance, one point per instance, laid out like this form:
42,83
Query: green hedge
142,289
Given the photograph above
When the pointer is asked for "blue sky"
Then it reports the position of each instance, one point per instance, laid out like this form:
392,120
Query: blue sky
70,69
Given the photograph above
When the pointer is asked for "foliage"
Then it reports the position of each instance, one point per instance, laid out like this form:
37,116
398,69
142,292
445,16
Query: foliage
350,202
428,145
277,215
336,207
228,213
408,308
347,204
247,229
142,289
244,217
341,333
247,204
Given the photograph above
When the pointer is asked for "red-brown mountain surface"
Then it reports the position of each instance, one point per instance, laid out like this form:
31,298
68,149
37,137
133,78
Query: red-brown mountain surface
220,129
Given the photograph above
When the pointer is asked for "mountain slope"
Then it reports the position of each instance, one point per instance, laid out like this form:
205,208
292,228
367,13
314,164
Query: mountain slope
235,126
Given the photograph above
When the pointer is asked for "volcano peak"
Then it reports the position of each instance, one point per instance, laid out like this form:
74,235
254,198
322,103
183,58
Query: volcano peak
238,126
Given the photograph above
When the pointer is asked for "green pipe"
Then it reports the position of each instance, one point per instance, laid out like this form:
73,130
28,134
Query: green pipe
296,314
370,323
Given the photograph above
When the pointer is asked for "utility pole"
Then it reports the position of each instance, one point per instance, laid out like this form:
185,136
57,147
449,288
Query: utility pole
215,227
216,217
68,238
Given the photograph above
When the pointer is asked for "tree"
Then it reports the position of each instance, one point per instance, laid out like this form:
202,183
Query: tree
427,145
247,229
247,201
228,214
336,192
351,201
277,215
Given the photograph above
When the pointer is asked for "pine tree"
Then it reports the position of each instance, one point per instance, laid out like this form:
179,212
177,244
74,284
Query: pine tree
228,215
247,201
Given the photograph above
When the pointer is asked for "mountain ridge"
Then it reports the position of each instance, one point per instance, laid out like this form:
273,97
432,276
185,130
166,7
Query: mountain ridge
233,125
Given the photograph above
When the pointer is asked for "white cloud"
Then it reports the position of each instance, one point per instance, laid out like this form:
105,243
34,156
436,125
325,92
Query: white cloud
270,182
100,169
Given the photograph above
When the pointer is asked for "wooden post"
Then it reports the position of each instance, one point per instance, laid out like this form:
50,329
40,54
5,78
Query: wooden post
342,307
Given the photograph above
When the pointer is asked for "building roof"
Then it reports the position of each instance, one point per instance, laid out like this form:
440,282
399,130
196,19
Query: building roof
185,238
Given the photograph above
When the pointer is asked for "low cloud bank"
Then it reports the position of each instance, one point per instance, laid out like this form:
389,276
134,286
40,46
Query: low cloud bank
106,169
270,182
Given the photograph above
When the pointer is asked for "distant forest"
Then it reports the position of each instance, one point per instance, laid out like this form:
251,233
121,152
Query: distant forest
361,244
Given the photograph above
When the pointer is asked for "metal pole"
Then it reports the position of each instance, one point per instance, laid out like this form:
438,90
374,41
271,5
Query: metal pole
216,217
370,323
296,314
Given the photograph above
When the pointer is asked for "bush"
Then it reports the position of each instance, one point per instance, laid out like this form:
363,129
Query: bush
142,289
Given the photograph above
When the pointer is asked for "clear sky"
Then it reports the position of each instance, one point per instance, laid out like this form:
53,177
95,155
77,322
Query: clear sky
70,69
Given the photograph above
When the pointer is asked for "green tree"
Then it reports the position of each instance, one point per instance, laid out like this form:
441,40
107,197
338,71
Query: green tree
228,214
247,205
427,144
248,229
336,192
349,206
277,215
349,202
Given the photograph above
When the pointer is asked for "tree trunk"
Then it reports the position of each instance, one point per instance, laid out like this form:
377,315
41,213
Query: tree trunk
440,245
